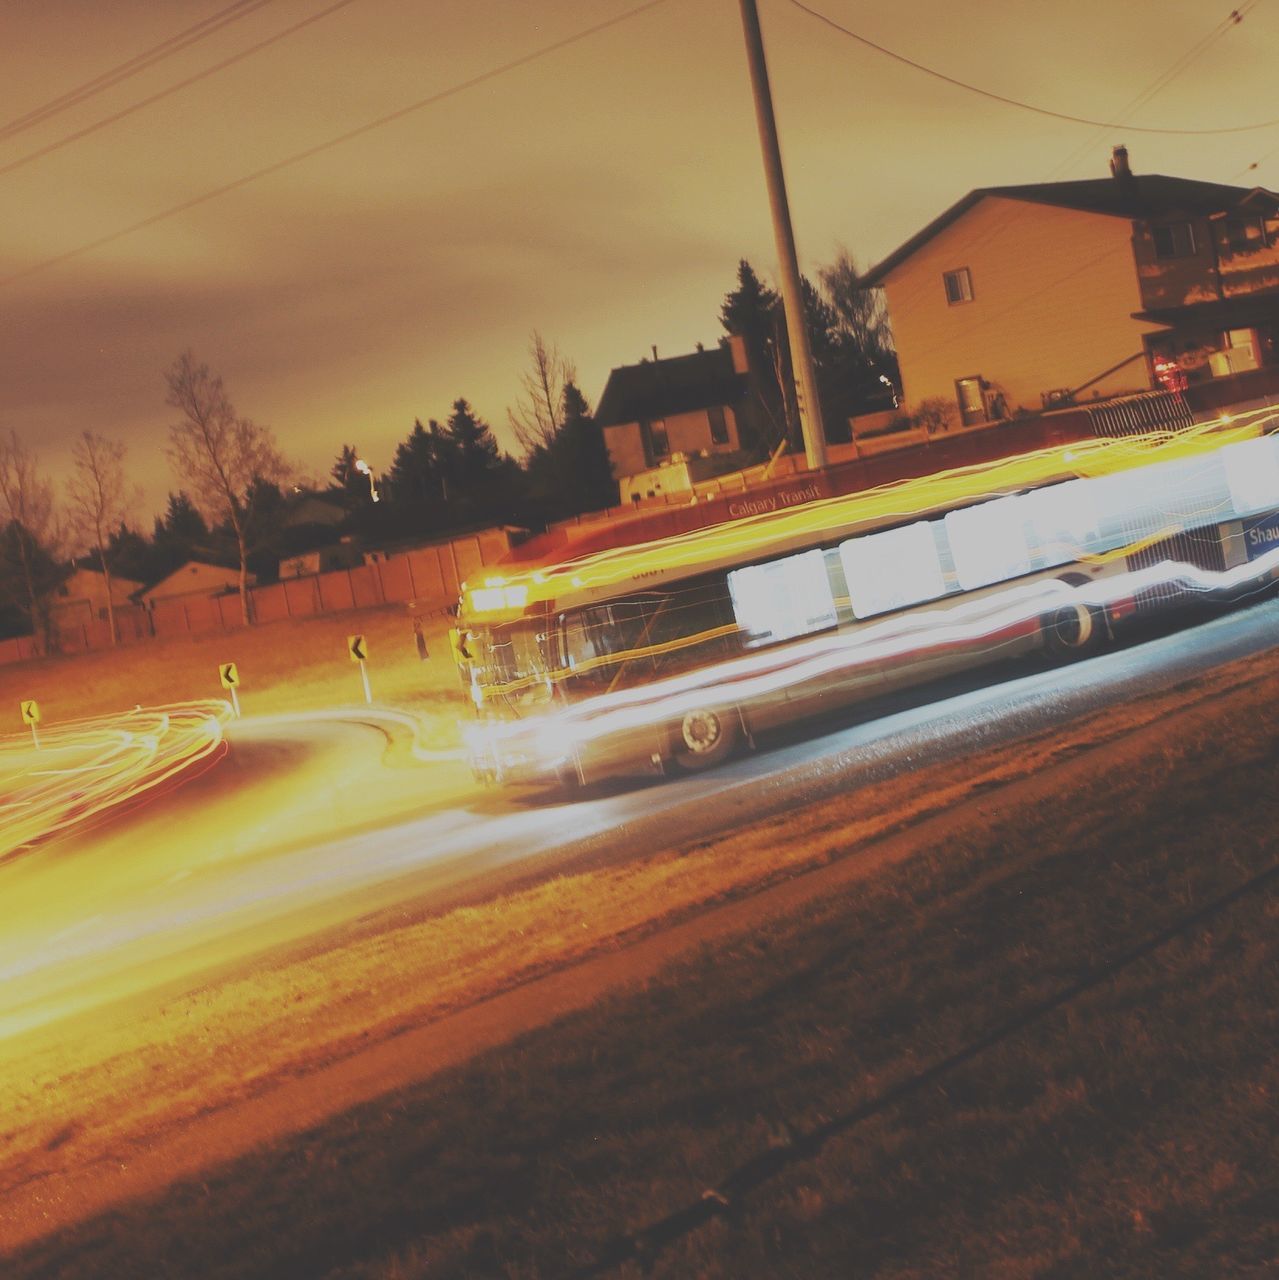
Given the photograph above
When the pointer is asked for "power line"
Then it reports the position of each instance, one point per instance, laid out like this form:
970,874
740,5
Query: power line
298,156
1014,102
186,83
131,66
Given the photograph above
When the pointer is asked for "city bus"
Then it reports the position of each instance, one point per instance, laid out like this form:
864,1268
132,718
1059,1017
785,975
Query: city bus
669,655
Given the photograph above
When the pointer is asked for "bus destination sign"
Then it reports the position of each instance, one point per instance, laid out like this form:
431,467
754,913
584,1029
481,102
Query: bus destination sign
1261,535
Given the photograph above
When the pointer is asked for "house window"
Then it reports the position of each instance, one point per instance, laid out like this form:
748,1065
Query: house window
959,285
1245,234
656,445
1174,240
719,424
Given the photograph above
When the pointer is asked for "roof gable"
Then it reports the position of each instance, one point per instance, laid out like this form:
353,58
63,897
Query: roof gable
657,389
1136,197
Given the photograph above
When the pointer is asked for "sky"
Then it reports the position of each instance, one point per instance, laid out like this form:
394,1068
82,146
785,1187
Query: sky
601,194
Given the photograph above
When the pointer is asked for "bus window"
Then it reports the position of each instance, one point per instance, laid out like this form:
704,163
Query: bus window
989,543
893,569
783,598
641,637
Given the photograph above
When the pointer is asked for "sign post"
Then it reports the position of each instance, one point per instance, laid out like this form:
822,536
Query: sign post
229,674
358,649
31,716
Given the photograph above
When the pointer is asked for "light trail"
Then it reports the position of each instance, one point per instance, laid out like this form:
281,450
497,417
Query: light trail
995,619
506,597
84,768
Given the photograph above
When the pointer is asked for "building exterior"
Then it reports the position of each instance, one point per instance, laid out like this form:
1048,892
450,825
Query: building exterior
82,597
1028,297
195,578
669,423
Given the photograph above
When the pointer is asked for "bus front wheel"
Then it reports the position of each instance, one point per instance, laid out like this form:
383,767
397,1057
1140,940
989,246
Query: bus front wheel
704,738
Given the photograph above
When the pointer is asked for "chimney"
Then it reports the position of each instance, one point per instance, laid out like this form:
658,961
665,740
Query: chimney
1119,164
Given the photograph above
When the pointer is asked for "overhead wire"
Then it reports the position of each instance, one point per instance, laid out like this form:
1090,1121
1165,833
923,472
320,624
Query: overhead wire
1016,102
168,92
297,157
908,303
132,66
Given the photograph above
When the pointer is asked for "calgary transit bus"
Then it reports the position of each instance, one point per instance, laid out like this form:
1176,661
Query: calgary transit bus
670,654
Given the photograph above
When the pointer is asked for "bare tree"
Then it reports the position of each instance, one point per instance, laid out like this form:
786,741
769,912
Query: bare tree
224,460
96,501
31,530
539,412
862,313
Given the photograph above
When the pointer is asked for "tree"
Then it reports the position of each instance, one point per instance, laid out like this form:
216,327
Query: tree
537,416
96,499
864,363
225,458
485,481
753,312
182,522
862,313
422,474
31,536
572,473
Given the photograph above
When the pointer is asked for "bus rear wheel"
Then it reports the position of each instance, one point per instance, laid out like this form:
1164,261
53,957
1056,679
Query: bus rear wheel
704,738
1073,631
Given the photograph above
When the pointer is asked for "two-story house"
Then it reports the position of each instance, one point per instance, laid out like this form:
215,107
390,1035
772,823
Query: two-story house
1025,297
669,423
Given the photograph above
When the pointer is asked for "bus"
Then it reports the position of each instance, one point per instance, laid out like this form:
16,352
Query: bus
669,655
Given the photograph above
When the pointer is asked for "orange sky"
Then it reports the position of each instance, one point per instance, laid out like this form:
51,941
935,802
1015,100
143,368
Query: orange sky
602,194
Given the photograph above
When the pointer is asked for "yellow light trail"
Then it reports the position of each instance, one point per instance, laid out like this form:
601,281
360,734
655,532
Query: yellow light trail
84,768
504,598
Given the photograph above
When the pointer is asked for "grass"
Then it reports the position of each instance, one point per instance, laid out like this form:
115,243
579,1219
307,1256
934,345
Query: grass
1131,1130
301,664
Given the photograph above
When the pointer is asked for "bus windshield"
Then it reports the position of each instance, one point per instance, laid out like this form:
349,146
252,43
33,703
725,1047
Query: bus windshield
514,661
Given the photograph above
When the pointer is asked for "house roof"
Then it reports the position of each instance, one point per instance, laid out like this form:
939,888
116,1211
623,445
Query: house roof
1136,197
192,566
117,580
677,384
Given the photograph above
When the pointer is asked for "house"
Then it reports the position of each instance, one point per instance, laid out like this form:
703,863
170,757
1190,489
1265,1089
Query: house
1026,297
194,578
672,422
338,555
304,509
82,597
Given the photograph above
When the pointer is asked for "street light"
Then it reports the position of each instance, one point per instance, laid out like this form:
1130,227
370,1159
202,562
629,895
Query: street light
365,470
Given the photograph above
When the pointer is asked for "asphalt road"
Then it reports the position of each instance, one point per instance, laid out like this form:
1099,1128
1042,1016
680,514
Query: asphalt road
308,825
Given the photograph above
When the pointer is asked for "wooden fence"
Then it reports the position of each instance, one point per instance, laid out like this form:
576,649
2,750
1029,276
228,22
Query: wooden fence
431,577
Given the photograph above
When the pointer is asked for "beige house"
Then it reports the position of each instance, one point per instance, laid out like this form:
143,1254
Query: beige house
669,423
195,578
82,597
1027,297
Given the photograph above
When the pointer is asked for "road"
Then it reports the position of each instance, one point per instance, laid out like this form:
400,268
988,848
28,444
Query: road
309,823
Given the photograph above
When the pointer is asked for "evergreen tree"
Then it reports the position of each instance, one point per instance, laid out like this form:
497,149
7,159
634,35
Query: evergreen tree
753,312
572,473
420,480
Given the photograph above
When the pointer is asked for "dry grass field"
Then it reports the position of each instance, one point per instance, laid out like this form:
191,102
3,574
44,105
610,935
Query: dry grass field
300,664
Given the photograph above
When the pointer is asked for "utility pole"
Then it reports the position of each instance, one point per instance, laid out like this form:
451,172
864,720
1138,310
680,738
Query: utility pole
810,409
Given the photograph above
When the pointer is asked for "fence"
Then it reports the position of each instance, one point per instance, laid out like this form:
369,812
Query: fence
430,576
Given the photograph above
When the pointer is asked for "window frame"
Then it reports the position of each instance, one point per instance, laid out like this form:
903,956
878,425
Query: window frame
1186,248
962,278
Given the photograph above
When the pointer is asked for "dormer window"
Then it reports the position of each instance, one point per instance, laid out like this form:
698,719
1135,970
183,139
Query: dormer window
1174,240
1246,234
959,285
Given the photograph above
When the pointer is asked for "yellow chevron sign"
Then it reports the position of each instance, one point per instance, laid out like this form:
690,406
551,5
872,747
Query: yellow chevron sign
30,711
229,674
358,648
